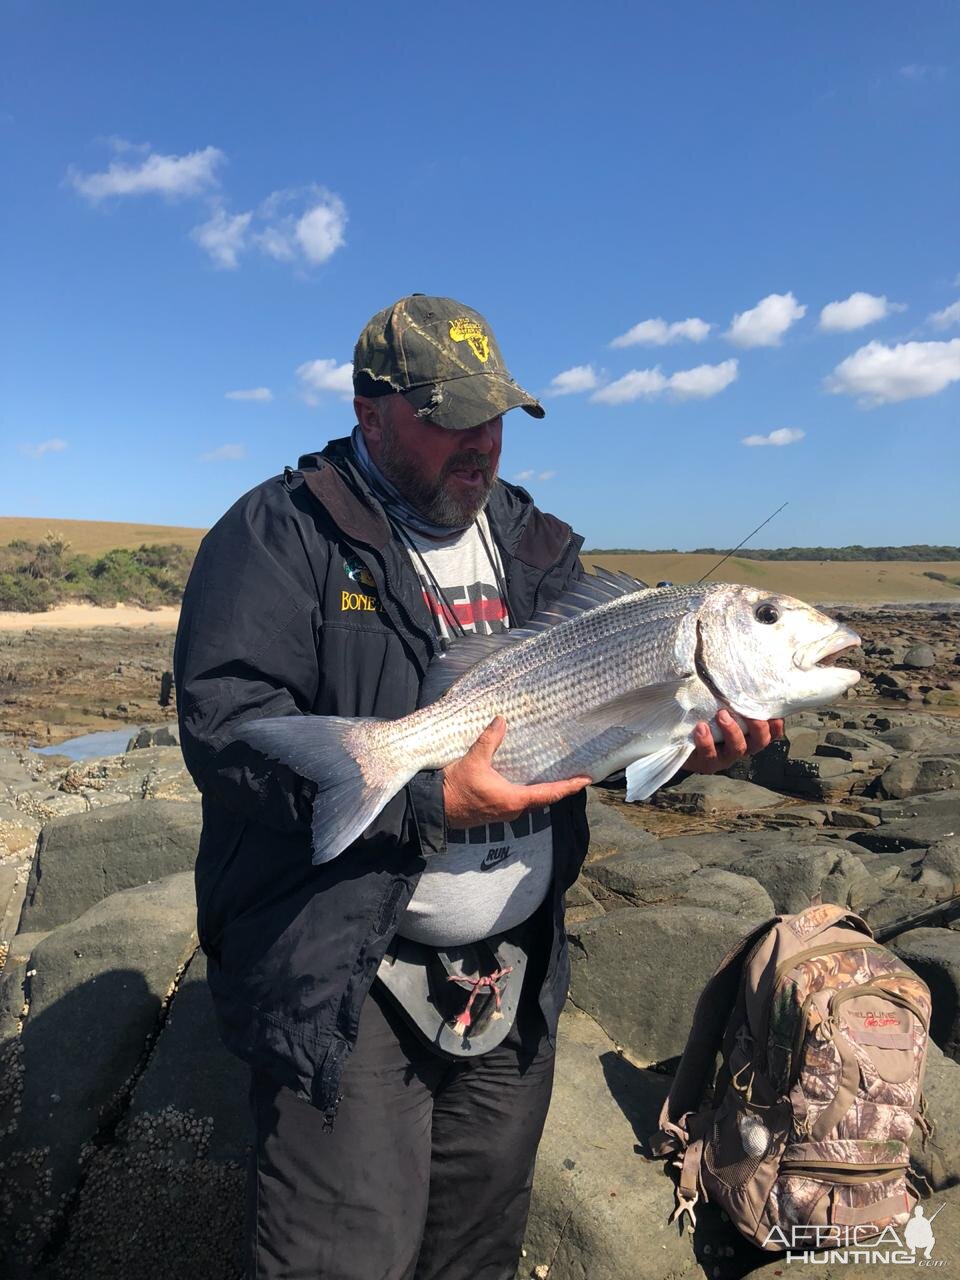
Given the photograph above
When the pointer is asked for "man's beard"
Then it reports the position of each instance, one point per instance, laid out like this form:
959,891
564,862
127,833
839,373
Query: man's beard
435,500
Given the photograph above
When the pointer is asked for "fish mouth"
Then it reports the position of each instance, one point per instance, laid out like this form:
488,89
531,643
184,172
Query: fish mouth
829,652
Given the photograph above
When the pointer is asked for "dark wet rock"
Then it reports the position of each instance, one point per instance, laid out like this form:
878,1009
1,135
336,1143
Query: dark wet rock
794,876
638,972
159,735
715,794
600,1208
906,833
917,775
935,955
919,656
638,880
95,989
86,857
723,890
610,832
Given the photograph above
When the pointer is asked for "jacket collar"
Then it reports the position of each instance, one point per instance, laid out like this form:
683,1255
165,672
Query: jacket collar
334,480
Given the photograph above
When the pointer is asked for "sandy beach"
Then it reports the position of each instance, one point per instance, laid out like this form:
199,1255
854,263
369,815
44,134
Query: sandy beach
75,617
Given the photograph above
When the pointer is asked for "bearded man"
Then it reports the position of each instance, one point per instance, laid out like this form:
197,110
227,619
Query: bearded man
398,1004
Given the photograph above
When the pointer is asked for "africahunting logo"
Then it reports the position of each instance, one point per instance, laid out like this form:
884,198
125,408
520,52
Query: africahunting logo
910,1245
466,330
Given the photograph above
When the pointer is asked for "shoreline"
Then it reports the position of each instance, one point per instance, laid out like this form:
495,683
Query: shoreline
77,617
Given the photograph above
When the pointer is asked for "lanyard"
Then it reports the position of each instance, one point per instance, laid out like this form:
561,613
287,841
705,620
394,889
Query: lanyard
441,595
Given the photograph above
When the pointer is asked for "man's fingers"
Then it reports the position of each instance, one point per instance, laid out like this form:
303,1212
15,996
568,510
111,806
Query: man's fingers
703,742
758,735
543,793
486,745
734,742
777,730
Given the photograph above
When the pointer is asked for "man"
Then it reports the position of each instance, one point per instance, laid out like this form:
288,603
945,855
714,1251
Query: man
397,1110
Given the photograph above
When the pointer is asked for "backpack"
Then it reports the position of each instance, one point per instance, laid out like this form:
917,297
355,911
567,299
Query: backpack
803,1140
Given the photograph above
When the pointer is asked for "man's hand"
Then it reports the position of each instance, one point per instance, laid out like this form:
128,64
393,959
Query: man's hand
710,757
474,792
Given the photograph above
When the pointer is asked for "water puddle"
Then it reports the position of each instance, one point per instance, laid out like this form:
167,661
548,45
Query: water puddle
106,742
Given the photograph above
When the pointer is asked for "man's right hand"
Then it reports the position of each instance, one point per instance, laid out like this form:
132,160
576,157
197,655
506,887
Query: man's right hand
474,792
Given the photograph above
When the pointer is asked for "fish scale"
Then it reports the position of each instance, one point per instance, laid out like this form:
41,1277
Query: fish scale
613,675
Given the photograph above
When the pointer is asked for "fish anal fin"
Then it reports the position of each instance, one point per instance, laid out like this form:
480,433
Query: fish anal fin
648,773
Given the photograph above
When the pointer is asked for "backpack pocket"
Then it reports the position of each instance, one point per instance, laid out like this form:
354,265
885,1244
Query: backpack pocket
741,1157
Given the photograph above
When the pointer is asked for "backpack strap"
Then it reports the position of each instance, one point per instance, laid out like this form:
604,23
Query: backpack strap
699,1054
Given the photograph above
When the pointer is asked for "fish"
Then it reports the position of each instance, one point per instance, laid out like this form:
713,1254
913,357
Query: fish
611,676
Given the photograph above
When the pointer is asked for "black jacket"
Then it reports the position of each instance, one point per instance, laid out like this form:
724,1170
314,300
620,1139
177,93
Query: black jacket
301,601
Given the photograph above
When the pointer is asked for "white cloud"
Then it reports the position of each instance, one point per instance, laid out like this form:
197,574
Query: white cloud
945,318
170,176
255,393
56,445
782,435
921,71
646,384
638,384
224,237
703,381
524,475
879,374
582,377
530,474
855,312
657,333
315,233
766,323
326,375
225,453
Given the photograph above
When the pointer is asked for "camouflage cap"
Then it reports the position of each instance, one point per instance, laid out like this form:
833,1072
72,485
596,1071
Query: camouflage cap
445,360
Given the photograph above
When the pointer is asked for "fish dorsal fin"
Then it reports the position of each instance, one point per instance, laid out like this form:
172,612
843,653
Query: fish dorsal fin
462,655
586,593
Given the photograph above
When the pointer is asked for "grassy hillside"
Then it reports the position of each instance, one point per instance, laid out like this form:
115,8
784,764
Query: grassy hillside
94,537
854,580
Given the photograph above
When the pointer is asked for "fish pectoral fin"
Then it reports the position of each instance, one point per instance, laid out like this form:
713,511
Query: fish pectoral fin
649,709
652,771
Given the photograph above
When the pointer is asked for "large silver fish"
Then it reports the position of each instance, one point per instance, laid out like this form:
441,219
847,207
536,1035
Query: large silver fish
611,676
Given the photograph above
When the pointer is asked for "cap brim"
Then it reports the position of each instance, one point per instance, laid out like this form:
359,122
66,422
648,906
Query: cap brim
462,403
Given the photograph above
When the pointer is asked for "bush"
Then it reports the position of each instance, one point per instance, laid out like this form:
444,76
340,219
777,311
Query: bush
22,594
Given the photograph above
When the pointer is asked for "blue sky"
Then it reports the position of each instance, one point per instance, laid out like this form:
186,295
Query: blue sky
206,199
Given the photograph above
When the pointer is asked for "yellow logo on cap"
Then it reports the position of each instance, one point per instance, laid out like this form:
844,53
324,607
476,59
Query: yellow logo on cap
466,330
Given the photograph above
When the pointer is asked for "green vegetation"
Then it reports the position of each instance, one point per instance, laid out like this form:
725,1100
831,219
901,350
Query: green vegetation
921,552
36,575
942,577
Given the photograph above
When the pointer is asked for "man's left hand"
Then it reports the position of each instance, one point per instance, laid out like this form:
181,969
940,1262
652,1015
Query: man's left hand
711,757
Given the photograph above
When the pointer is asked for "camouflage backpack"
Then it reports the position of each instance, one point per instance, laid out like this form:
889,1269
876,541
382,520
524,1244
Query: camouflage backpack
823,1034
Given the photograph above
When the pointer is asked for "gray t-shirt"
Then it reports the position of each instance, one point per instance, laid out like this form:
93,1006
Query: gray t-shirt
495,876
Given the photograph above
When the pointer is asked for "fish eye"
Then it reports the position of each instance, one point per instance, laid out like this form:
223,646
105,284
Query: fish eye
768,613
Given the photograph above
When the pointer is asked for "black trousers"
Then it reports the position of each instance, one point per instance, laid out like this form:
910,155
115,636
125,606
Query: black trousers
426,1173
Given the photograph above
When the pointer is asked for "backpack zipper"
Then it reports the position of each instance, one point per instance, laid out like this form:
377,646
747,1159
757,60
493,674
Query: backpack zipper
784,967
846,1174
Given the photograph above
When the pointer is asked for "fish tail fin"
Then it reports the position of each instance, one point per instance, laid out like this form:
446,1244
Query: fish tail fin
355,777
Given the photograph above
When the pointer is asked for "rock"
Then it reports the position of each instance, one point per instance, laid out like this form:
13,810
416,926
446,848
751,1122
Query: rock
712,847
944,805
919,656
715,794
915,775
610,831
638,972
160,735
939,1162
639,880
81,859
892,908
580,904
726,891
95,988
944,856
794,876
908,833
866,742
599,1207
935,955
